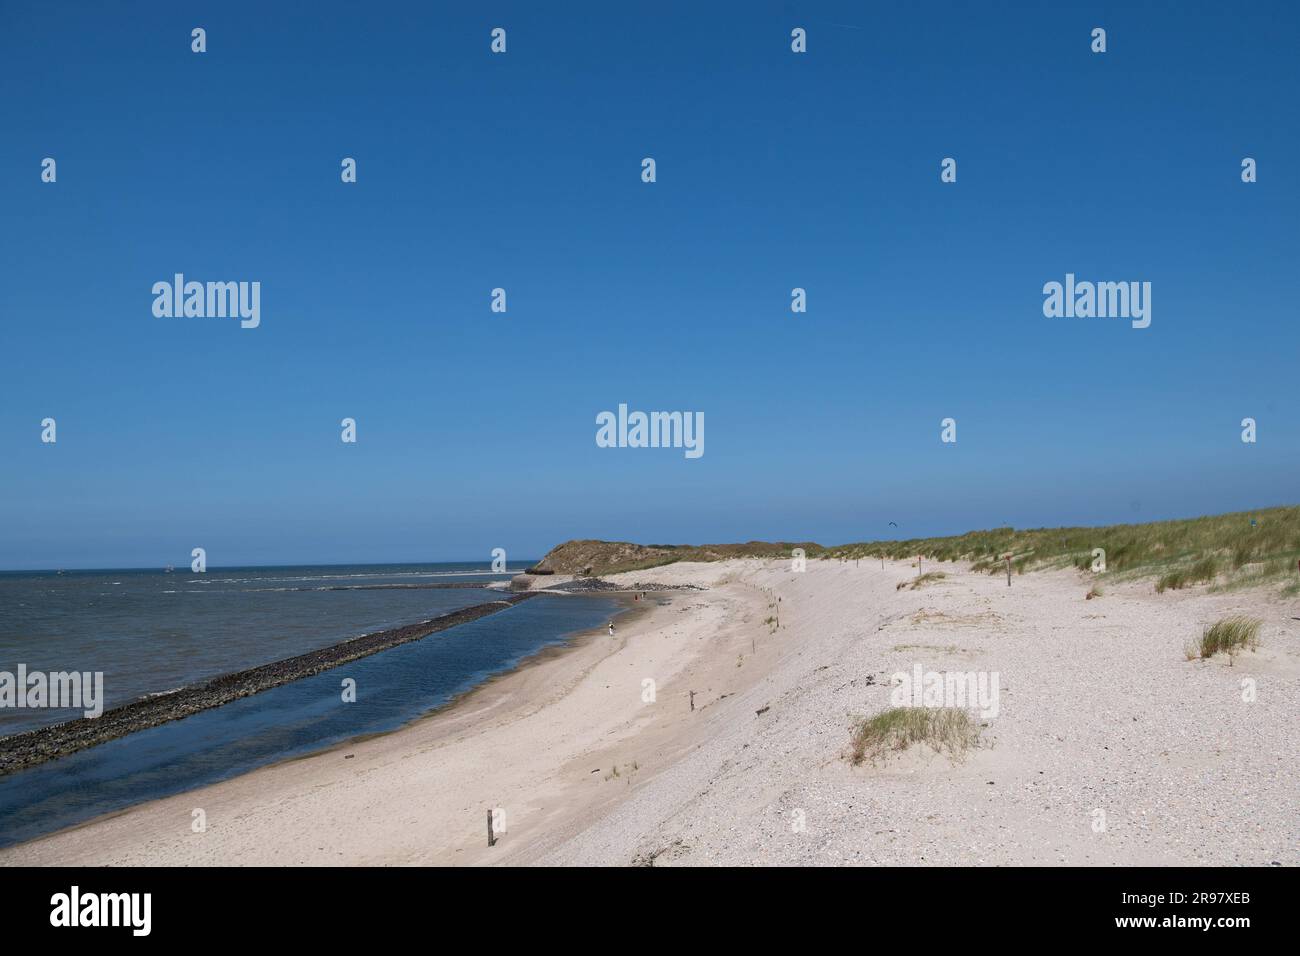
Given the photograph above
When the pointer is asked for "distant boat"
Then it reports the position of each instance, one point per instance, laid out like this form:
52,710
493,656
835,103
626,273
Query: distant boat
169,569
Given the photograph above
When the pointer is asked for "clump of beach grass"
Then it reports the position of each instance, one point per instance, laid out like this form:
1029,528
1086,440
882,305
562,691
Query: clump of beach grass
1203,570
921,581
944,728
1228,636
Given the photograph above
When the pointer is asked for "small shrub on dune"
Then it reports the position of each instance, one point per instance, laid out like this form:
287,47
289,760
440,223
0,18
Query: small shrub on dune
1228,635
1203,570
944,728
1170,581
919,582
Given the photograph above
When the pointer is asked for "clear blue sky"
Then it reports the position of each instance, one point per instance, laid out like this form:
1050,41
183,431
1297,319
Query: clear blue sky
775,170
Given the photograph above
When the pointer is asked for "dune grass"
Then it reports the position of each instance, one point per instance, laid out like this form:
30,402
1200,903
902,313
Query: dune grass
944,728
921,581
1228,636
1224,551
1202,571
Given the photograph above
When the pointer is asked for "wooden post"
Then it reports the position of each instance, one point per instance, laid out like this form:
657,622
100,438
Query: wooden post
492,840
918,565
692,701
1008,570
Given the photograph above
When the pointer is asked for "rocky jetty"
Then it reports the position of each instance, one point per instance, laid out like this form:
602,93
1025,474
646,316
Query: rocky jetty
584,585
37,746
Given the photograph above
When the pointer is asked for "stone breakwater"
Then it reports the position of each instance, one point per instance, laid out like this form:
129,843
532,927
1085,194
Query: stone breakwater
582,585
46,743
450,586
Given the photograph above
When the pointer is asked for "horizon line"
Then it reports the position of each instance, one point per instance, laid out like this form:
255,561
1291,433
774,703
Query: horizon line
261,567
533,561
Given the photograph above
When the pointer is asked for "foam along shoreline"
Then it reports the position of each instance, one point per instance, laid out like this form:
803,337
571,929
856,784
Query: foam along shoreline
33,747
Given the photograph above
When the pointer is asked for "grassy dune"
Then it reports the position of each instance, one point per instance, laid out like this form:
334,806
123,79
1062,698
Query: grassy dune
1223,551
943,728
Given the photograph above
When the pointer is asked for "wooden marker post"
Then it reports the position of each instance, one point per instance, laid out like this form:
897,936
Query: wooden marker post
492,839
1008,570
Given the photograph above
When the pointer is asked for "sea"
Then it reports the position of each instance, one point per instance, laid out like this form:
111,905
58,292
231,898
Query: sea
150,631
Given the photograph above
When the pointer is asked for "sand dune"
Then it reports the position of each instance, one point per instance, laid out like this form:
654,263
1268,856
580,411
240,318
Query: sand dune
1098,711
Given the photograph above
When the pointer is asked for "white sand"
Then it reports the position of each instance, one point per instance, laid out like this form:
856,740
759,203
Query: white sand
1099,710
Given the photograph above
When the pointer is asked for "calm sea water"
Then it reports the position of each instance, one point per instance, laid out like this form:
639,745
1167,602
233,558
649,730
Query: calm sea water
149,632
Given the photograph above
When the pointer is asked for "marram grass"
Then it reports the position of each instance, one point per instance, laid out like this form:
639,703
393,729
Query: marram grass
945,729
1225,551
920,581
1229,635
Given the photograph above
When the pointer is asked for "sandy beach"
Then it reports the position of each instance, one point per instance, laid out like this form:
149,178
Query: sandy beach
1099,711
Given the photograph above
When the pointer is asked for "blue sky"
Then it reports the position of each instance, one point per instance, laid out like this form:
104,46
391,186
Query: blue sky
775,170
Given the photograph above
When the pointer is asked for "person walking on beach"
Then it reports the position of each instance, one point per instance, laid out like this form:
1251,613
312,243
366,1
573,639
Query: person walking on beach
611,628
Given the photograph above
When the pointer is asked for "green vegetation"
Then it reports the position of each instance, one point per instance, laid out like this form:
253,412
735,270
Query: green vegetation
597,558
919,582
1228,636
1224,551
943,728
1205,569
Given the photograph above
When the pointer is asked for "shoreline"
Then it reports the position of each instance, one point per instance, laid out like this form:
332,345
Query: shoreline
626,611
717,717
523,692
627,614
34,747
